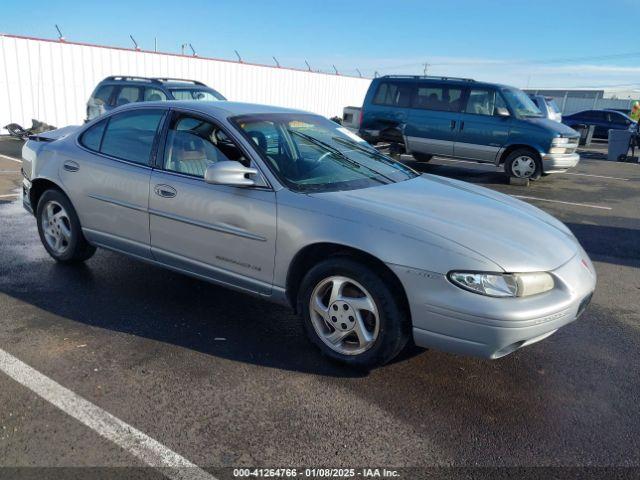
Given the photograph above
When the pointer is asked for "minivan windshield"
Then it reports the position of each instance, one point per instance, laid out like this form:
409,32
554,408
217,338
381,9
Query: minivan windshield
312,154
196,94
521,104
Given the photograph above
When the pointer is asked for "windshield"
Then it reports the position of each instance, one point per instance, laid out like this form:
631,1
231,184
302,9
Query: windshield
521,103
310,153
196,94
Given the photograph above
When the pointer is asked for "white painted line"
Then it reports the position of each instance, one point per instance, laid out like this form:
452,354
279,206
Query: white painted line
11,195
122,434
589,175
565,203
11,158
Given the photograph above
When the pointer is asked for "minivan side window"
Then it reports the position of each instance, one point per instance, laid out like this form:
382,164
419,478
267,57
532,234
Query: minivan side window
438,97
394,94
129,136
484,102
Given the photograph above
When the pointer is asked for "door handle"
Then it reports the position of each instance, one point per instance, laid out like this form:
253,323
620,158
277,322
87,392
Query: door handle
453,124
70,166
165,191
462,125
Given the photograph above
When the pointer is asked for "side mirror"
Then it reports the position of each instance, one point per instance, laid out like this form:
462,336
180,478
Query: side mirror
229,172
502,112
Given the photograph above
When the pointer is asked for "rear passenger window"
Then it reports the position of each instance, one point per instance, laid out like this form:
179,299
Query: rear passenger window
103,95
394,94
129,136
128,95
92,137
440,98
154,95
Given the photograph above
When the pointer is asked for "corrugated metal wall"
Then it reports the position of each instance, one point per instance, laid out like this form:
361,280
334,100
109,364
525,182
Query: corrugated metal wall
51,81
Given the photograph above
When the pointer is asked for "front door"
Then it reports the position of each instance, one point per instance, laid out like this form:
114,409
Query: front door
434,118
223,233
482,133
109,182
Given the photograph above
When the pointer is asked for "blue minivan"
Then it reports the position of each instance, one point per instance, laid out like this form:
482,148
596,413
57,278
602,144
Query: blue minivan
463,118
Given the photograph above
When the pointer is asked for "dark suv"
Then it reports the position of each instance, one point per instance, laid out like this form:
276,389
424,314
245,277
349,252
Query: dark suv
120,90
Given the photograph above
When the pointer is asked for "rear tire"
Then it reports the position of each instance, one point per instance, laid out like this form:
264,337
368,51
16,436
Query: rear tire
523,163
59,229
351,314
422,157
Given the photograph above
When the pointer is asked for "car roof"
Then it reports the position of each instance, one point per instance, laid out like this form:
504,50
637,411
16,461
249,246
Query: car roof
219,109
463,82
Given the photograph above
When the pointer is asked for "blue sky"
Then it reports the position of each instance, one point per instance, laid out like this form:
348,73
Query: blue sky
554,43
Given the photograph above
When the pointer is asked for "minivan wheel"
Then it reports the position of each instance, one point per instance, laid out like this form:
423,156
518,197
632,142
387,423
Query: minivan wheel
523,163
350,313
422,157
59,229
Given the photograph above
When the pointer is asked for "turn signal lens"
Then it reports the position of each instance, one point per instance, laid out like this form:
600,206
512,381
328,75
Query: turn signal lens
503,285
557,150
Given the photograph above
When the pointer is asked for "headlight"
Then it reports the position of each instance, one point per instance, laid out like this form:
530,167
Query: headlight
557,150
560,141
503,284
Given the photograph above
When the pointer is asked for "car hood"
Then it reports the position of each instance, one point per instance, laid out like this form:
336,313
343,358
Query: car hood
512,234
553,126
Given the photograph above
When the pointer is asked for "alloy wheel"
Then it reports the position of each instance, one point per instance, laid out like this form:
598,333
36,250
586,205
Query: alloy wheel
344,315
56,227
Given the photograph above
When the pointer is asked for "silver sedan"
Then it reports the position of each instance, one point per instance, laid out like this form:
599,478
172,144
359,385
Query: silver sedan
291,207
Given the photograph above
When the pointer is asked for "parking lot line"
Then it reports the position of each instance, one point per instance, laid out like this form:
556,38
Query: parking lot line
587,205
590,175
10,158
112,428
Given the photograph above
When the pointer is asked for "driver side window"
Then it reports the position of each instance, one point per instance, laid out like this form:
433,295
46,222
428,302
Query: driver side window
194,143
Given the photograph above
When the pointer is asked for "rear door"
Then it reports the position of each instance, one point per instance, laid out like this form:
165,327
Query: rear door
109,180
434,118
386,115
482,133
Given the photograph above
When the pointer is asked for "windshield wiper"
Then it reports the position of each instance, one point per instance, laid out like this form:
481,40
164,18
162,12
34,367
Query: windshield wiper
340,154
374,152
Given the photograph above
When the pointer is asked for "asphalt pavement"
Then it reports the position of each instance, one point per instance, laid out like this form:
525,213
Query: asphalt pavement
224,380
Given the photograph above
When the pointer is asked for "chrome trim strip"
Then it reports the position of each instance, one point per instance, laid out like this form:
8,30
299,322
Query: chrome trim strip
119,203
217,227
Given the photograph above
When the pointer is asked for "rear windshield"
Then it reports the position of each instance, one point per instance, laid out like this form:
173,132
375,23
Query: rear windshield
208,95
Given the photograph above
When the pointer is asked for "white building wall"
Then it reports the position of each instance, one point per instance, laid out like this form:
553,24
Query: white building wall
51,81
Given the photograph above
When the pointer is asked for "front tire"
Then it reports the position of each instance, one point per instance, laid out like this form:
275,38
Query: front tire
351,314
59,229
523,163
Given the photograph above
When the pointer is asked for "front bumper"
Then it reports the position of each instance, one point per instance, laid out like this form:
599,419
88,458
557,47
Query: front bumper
555,162
448,318
26,189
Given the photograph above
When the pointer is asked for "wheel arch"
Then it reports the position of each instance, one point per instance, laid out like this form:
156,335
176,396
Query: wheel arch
38,187
314,253
517,146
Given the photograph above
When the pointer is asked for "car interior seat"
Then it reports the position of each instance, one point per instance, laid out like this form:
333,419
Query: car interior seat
188,154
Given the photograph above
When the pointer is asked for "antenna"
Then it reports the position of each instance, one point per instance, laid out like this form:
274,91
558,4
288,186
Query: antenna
193,50
60,36
134,42
238,55
308,66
